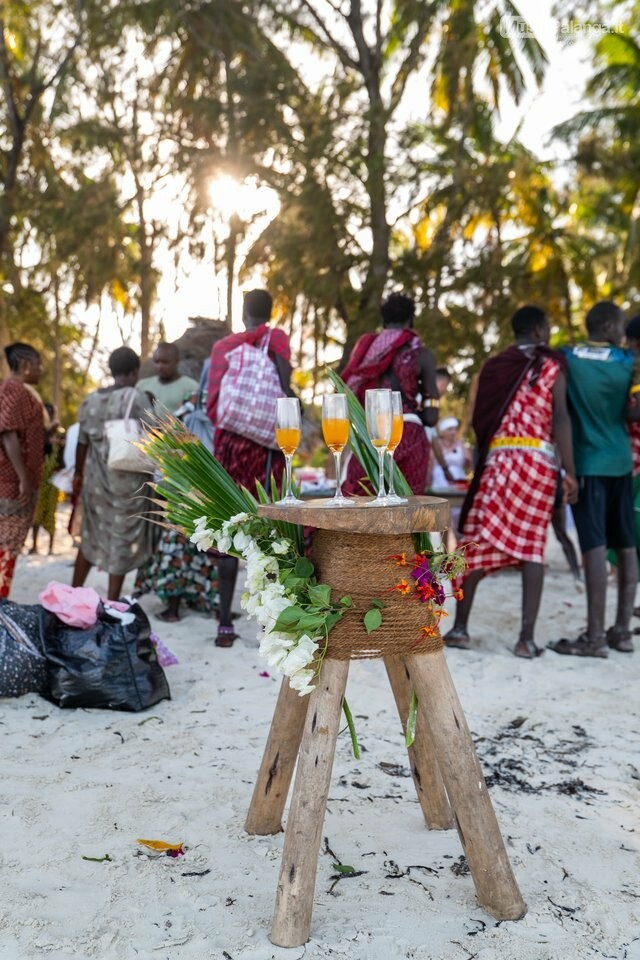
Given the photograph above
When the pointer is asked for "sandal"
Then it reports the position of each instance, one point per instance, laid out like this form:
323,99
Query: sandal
620,640
459,638
527,650
226,636
580,647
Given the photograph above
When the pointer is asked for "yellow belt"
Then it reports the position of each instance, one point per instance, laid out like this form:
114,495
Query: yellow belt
523,443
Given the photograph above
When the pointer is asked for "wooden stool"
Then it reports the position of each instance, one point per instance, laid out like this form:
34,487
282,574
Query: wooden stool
446,772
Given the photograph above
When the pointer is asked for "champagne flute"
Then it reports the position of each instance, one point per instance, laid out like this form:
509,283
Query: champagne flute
288,433
379,422
335,430
397,427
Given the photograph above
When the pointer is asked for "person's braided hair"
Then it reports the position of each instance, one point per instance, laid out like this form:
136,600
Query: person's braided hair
17,352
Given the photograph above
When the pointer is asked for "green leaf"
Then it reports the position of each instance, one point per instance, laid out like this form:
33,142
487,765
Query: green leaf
303,568
352,729
372,620
411,719
332,619
378,604
346,601
343,868
289,618
320,595
312,622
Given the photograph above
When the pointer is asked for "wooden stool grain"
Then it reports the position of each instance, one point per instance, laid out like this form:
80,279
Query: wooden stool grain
446,772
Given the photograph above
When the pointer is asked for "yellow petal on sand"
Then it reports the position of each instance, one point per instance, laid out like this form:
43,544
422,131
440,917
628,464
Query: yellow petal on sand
160,845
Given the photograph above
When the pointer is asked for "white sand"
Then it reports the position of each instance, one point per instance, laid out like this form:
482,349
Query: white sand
88,783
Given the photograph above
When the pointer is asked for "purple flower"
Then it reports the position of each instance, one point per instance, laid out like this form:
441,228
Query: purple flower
426,577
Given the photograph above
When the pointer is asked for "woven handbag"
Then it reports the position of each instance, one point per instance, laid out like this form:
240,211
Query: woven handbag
121,436
248,393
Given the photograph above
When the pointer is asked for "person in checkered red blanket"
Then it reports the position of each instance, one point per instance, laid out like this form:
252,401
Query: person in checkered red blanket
520,418
245,460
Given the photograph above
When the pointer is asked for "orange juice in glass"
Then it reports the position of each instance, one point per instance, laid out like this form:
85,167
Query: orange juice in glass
397,428
335,430
288,433
379,423
288,439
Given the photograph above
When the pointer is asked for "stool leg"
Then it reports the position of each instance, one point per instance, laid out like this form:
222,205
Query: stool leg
296,884
279,759
422,758
475,817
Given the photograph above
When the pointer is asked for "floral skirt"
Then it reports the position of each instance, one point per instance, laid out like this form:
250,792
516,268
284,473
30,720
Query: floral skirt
178,569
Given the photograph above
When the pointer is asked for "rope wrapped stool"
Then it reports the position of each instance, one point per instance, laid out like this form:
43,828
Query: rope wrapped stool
352,550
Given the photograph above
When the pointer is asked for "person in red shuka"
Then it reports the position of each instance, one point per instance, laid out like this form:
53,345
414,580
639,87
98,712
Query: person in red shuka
22,425
520,413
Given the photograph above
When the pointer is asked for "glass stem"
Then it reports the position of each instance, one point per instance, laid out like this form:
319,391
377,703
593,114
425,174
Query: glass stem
288,495
381,453
337,457
392,489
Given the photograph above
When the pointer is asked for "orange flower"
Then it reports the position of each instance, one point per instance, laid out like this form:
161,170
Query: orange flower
458,594
403,588
430,631
425,591
400,559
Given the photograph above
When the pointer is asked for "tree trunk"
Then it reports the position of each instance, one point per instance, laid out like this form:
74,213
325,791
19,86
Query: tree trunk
57,351
376,189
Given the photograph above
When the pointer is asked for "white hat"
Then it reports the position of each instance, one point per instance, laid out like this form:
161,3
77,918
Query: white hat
447,424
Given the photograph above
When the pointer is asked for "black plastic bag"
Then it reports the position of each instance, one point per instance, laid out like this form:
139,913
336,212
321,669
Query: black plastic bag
23,668
110,665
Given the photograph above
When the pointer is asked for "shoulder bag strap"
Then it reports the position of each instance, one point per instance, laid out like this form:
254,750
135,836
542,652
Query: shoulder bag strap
127,413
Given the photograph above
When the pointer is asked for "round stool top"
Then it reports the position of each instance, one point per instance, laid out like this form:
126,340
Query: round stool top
419,515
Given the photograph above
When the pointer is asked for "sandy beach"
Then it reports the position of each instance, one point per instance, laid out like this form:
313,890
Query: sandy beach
559,740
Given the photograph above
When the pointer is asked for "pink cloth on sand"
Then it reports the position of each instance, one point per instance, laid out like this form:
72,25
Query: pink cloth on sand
75,606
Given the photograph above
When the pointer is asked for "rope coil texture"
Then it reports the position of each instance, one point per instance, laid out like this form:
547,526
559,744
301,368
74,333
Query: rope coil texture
359,566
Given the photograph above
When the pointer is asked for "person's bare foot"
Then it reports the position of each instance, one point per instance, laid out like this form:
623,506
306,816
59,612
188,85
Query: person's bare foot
527,650
168,616
459,638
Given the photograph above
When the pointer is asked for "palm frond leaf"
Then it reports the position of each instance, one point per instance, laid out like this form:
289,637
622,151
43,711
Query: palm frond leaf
192,483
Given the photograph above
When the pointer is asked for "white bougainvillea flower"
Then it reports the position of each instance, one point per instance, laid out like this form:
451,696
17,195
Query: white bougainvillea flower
281,547
301,681
300,656
202,537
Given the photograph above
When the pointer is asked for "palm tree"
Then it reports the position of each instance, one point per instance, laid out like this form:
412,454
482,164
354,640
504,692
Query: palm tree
606,154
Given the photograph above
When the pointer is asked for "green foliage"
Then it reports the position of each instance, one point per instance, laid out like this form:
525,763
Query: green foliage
352,729
193,483
410,735
372,620
107,104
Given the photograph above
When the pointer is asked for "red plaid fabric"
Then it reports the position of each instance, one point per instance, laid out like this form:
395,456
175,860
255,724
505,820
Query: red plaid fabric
510,514
634,433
